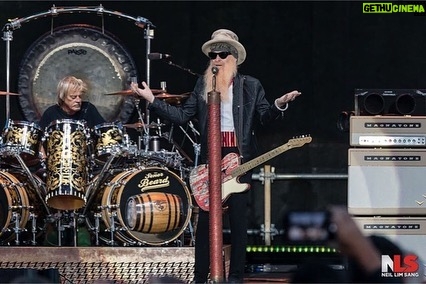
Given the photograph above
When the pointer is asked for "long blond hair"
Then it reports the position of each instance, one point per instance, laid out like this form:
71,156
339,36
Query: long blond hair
69,84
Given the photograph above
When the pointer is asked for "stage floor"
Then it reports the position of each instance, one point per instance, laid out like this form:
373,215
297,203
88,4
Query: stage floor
103,264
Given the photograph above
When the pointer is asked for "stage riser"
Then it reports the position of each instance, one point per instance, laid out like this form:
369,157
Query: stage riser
118,264
86,265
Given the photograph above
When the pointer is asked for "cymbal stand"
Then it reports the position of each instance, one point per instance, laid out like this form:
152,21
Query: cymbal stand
33,181
105,168
111,214
197,146
8,37
96,229
62,225
17,218
33,218
75,228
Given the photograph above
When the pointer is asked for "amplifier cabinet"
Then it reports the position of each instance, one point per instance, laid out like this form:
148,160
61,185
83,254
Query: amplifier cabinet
407,233
392,131
387,182
390,102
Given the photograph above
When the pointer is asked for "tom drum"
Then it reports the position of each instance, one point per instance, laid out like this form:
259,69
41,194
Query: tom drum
67,167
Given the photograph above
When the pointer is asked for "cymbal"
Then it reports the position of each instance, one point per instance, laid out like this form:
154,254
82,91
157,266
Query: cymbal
123,93
140,125
131,93
134,125
3,93
157,91
172,99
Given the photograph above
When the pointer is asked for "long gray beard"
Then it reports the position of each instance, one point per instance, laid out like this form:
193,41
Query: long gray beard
223,80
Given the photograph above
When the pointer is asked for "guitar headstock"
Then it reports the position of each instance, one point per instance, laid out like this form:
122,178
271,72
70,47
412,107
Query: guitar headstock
299,141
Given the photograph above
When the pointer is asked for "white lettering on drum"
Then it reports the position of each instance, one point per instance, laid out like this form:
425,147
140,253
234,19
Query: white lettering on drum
154,180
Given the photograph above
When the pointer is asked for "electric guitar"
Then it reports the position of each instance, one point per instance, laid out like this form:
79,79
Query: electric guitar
232,170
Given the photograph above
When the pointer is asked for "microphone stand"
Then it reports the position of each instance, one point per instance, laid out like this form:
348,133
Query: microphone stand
215,183
145,131
182,68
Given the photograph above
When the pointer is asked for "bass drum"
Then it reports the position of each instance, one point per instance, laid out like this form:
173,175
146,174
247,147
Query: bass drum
141,206
22,209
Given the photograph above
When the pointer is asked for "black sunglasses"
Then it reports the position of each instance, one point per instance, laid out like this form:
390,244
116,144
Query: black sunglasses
222,54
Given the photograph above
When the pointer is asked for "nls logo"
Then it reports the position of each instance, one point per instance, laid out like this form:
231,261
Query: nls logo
400,264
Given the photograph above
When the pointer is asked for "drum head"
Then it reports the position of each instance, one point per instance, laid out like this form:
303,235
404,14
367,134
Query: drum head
12,195
151,182
82,51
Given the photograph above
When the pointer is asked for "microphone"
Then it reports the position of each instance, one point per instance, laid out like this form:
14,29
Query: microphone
215,70
158,56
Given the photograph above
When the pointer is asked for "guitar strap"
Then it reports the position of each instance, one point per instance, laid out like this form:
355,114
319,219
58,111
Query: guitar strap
240,113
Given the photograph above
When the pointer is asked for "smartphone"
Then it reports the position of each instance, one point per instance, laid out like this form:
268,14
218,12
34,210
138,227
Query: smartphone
308,227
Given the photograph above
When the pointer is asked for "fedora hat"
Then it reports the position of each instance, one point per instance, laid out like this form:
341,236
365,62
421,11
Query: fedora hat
225,40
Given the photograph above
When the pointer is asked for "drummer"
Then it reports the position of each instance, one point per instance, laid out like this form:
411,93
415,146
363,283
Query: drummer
70,104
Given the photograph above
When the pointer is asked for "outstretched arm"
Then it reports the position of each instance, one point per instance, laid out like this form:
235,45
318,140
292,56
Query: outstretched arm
281,102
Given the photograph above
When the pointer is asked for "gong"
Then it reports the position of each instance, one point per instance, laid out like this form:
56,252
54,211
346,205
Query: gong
83,51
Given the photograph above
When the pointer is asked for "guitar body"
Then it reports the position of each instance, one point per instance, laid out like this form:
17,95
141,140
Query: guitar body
231,171
199,181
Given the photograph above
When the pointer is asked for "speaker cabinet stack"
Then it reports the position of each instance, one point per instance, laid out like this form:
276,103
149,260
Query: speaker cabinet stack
387,165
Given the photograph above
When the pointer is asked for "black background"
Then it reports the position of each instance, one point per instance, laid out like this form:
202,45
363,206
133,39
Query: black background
324,49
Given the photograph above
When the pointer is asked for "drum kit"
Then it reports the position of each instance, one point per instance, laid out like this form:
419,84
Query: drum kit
123,192
69,178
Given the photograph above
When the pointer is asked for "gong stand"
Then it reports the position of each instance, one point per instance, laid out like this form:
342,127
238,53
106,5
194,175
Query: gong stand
54,11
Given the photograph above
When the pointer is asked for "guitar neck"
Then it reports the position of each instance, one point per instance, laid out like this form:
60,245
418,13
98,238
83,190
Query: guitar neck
259,160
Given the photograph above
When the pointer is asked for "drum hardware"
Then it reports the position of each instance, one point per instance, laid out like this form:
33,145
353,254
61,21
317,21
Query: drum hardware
96,228
16,218
196,146
17,228
112,214
101,175
33,218
67,220
35,185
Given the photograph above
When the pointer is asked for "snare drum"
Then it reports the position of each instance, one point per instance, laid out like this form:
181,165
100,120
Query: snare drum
109,139
23,138
67,167
150,206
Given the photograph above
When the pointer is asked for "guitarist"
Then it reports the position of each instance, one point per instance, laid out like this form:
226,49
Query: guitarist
242,100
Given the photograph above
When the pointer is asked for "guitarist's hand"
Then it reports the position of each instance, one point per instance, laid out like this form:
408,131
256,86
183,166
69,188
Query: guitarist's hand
145,93
286,98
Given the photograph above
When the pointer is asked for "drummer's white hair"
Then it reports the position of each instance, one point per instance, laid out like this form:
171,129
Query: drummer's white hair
69,84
